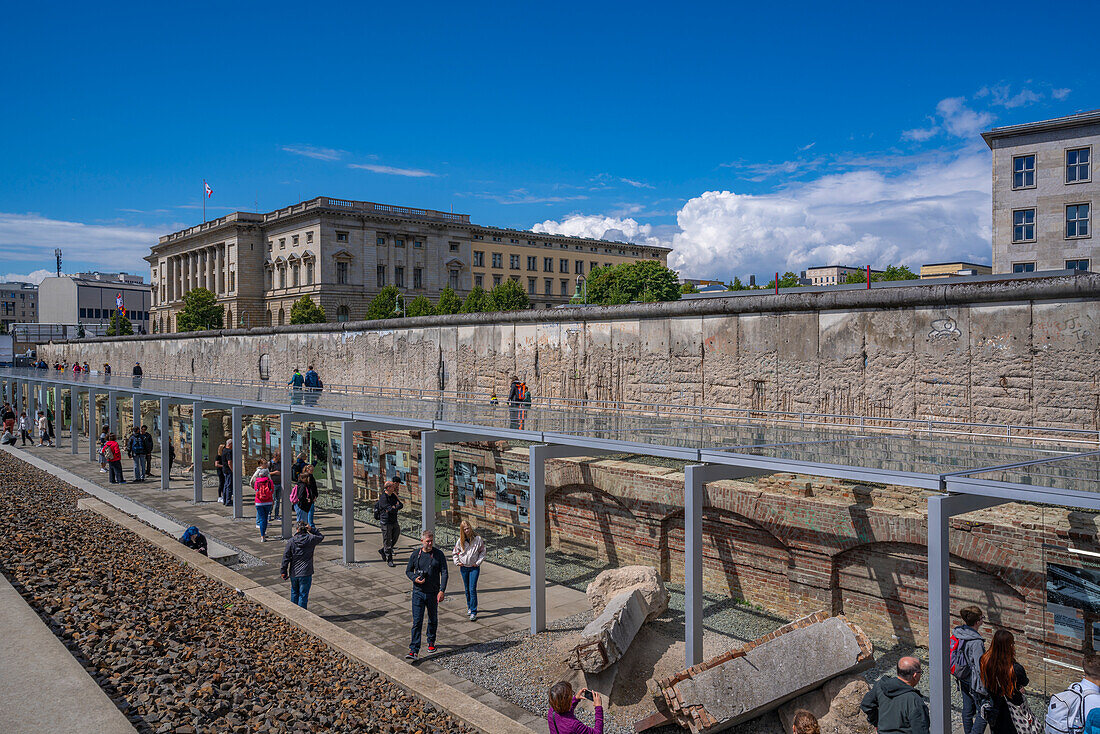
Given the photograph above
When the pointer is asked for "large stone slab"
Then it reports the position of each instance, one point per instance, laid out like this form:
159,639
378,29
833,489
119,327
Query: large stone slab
749,681
608,636
614,581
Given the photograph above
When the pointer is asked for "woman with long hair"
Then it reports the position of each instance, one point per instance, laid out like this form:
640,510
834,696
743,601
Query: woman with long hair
1003,678
561,718
468,554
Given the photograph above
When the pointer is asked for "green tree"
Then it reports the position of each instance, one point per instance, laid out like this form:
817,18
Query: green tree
119,325
892,272
736,285
509,296
200,311
448,302
477,300
383,305
646,281
420,306
305,311
789,280
688,288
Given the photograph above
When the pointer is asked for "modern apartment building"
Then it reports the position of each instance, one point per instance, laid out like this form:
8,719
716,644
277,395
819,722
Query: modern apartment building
91,299
341,253
952,269
18,304
832,274
1044,194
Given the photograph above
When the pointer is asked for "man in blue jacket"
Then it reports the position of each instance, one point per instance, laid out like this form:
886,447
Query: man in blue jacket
427,569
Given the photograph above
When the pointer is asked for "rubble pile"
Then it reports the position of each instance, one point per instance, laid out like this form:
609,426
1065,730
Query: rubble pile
175,651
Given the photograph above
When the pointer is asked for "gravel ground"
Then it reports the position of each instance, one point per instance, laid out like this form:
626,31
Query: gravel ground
175,651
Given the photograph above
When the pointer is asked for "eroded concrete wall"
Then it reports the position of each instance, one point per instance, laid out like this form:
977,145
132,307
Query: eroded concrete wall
1021,352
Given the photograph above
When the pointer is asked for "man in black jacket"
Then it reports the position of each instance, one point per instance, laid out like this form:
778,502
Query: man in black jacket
385,512
427,569
894,705
147,442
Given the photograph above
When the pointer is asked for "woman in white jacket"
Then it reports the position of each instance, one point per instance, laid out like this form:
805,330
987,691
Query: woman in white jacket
468,554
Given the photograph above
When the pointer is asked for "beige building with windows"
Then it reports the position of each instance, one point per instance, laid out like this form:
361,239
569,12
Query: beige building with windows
1044,194
952,269
341,253
832,274
18,304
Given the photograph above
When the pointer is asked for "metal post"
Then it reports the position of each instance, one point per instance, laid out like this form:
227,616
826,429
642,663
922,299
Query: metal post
238,463
693,564
196,451
93,429
137,410
427,480
58,415
112,411
165,445
32,405
537,535
347,490
940,509
285,460
74,410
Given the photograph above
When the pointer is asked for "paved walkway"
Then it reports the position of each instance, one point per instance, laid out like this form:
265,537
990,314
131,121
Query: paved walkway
369,599
37,672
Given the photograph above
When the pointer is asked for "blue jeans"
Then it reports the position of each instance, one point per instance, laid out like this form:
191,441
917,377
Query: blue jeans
262,513
973,723
422,602
227,489
304,515
139,467
278,498
469,581
115,472
299,590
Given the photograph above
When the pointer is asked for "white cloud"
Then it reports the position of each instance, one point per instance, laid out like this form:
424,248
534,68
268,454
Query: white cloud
31,239
1001,95
1060,93
523,196
35,277
312,151
920,134
410,172
961,121
636,184
936,208
601,227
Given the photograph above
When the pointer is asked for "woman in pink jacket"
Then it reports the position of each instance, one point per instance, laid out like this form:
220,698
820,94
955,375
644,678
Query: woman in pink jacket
265,498
560,717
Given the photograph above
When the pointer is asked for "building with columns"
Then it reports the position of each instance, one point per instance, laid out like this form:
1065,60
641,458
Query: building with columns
341,253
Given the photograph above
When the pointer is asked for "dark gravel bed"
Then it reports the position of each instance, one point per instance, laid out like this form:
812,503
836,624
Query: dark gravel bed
174,650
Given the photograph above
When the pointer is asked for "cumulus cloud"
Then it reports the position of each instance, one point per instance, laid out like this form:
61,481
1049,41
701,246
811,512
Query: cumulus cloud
410,172
31,239
1061,93
35,277
936,209
960,120
1002,95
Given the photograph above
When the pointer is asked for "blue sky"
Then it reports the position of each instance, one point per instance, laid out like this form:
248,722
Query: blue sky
749,139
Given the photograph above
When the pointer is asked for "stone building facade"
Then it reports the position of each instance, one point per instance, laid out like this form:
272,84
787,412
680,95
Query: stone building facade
341,253
1045,194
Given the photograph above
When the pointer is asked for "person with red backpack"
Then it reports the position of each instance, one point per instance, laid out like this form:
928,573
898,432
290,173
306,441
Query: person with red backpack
964,659
113,454
265,498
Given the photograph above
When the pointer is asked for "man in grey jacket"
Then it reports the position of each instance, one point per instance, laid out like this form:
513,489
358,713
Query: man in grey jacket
894,705
298,561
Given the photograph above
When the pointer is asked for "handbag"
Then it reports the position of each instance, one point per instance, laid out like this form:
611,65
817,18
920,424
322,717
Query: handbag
1023,721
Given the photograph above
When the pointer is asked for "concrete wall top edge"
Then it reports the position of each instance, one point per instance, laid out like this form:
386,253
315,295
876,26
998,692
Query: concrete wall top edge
1085,286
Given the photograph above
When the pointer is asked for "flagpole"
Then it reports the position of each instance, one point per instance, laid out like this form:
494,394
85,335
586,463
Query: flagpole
204,201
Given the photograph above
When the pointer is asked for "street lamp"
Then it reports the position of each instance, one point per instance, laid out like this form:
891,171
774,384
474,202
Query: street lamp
399,303
582,289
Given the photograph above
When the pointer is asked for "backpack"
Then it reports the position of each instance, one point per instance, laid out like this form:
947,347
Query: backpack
1066,712
295,493
956,658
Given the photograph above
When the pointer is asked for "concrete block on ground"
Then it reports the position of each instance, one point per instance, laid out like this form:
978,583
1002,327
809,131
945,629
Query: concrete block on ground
764,674
835,704
615,581
608,636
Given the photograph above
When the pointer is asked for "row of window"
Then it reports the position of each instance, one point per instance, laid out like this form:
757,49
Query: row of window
533,263
293,241
295,275
563,246
1077,168
417,279
106,313
1030,267
548,284
1076,223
